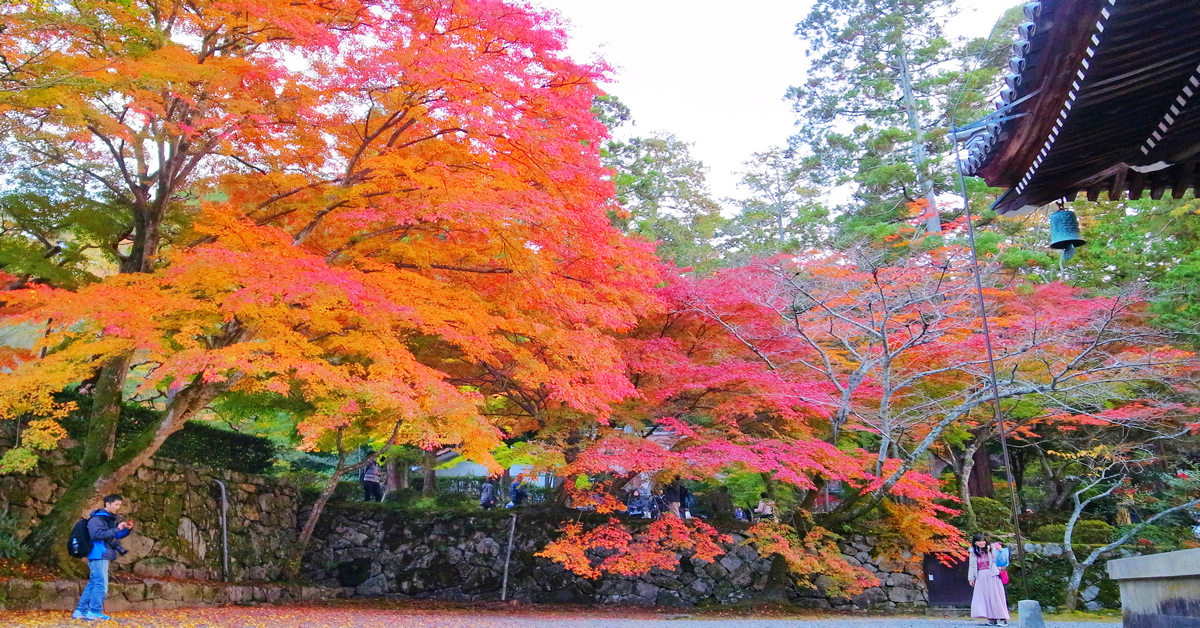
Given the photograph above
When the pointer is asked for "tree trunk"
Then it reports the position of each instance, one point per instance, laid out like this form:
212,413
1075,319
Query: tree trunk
1072,598
970,521
429,474
291,570
933,223
107,396
981,472
393,477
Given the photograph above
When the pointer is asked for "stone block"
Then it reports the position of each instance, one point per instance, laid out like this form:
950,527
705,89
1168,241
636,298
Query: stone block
869,598
901,580
374,586
41,490
1030,614
731,562
1090,593
902,595
646,591
668,598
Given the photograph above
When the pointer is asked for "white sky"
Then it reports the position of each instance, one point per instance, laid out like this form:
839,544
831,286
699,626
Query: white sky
713,72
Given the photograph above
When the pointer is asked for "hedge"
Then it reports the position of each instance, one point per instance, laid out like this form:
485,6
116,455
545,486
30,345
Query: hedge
197,443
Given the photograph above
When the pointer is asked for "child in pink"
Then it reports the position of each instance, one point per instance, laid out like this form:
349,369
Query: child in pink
989,600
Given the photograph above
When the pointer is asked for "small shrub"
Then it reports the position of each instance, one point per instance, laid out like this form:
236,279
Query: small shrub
991,514
1164,538
1087,531
1045,577
198,443
402,495
11,547
452,500
1092,531
1050,533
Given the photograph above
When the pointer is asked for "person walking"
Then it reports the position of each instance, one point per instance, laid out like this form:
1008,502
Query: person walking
516,494
658,504
637,506
765,508
988,600
673,496
106,534
487,494
369,476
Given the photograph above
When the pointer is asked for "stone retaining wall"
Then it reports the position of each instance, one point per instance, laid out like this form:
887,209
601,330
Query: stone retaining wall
16,594
178,533
381,553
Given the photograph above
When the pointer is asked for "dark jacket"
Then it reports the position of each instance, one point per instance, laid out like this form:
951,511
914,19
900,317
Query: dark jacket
106,538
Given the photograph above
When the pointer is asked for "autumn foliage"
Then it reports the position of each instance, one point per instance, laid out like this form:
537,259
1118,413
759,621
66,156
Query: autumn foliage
615,548
392,214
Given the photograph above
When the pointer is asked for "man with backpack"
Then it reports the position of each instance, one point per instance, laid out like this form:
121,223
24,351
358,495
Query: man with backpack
105,535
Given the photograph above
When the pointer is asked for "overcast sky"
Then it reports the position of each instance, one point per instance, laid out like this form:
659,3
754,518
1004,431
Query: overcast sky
713,72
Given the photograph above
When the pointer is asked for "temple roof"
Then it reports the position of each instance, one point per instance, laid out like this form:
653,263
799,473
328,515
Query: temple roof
1102,96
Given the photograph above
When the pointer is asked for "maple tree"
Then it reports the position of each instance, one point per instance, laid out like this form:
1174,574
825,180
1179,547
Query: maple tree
847,371
386,202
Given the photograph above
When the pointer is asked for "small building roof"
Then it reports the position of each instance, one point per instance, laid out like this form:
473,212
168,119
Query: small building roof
1103,96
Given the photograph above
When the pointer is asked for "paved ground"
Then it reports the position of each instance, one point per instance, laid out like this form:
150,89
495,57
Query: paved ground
352,617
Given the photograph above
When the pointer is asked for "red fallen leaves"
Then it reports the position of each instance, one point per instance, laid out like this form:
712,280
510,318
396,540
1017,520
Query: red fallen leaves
613,548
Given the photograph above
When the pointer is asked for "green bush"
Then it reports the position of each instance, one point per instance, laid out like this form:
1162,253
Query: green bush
402,495
202,444
1045,578
1092,531
197,443
991,514
1087,531
1050,533
1158,537
11,547
453,500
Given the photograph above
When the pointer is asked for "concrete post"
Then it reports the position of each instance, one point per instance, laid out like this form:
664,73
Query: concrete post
1029,614
1159,590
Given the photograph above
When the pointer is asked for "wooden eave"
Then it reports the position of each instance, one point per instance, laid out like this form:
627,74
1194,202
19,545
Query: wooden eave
1104,98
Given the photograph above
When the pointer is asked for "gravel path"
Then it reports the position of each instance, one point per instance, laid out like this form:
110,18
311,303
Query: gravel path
349,617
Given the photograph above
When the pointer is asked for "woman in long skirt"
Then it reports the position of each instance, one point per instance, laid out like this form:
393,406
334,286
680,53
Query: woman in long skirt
989,600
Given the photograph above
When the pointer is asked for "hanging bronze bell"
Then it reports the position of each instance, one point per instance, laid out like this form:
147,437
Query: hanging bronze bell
1064,233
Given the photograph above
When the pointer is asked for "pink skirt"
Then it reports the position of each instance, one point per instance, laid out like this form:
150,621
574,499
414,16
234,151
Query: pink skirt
989,600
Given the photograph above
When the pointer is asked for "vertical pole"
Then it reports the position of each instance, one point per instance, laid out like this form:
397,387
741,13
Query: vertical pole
512,530
987,342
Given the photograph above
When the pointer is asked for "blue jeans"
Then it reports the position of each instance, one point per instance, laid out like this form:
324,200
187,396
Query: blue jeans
92,598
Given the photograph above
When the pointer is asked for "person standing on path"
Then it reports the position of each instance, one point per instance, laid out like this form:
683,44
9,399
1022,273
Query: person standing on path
765,508
106,535
369,476
673,496
988,601
487,493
